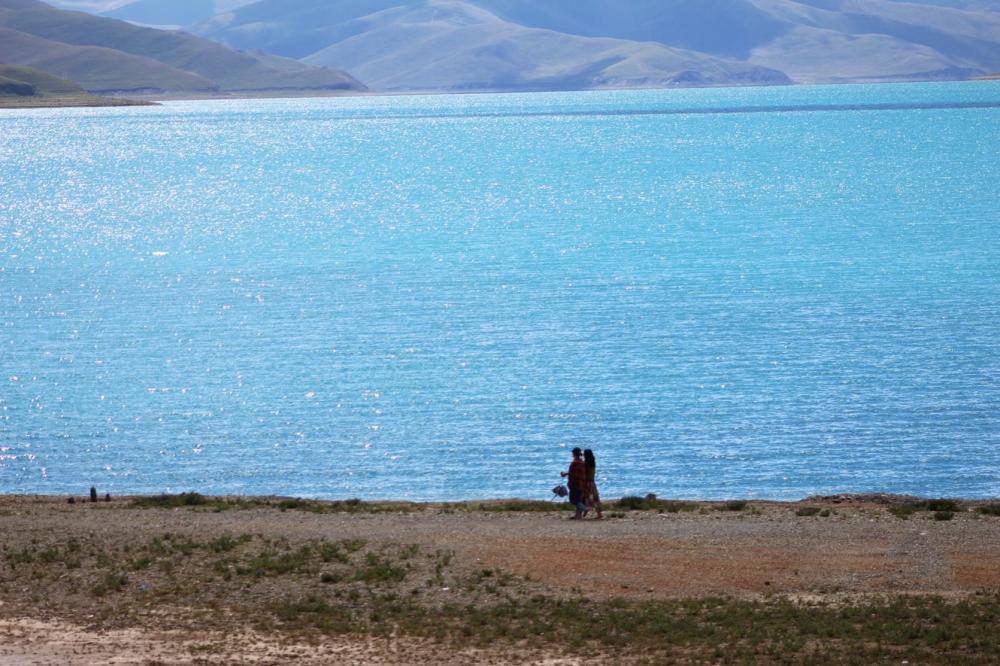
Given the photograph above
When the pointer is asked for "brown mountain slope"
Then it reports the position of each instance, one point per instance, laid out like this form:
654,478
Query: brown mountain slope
107,54
96,69
25,87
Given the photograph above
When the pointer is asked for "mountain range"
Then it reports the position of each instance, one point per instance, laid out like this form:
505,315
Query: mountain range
454,44
105,55
463,45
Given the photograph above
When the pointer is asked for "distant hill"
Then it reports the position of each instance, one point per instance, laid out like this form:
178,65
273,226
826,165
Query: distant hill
486,53
108,55
97,69
530,44
26,87
25,82
454,45
408,45
811,40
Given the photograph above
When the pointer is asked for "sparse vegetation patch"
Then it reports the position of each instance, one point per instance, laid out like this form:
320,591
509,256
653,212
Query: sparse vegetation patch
634,503
200,502
990,509
287,584
936,506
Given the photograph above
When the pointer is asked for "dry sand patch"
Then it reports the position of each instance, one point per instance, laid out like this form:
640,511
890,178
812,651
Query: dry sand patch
653,568
32,642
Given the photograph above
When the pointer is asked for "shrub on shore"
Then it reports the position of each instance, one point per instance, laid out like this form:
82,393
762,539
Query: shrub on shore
520,506
992,509
635,503
197,501
171,501
907,509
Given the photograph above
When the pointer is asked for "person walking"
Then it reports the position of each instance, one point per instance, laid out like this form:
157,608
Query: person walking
591,497
576,479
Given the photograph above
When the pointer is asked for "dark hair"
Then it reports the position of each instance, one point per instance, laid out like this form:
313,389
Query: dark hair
576,450
588,458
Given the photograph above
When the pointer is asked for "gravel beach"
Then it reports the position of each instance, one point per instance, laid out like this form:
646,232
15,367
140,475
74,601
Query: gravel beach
176,604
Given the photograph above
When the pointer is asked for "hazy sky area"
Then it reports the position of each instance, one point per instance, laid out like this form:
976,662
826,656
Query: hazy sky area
107,5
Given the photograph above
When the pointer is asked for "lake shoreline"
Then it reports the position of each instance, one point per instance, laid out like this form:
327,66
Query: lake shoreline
98,101
846,498
90,101
241,579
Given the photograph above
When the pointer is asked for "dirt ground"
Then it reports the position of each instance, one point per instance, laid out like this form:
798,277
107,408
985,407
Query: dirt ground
858,549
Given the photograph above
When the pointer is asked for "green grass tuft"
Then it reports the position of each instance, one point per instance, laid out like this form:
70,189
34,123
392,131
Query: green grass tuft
634,503
379,569
520,506
111,582
171,501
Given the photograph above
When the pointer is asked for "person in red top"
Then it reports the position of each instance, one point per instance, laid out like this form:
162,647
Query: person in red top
576,479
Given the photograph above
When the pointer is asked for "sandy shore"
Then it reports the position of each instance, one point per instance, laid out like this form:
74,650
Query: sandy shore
114,583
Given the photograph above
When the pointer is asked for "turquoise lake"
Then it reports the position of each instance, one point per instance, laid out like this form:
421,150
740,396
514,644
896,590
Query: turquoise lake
756,292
